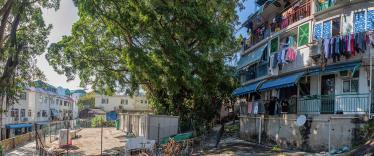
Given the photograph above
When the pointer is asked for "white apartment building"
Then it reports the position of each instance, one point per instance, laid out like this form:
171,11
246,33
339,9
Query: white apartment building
122,102
38,104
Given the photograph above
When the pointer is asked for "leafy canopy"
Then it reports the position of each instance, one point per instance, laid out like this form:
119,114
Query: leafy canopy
23,36
175,50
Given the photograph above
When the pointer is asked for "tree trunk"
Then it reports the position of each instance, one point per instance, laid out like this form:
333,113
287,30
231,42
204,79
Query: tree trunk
5,11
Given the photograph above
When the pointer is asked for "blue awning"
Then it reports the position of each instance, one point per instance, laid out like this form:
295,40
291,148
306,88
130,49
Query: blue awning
251,58
249,88
281,82
13,126
352,66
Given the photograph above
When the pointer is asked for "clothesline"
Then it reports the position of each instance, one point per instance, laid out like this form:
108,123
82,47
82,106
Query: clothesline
344,45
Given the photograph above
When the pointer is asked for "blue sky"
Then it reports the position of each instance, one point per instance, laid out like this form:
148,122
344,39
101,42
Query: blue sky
62,21
243,15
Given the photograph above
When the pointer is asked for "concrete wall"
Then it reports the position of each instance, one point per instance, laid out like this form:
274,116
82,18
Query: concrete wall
312,136
150,126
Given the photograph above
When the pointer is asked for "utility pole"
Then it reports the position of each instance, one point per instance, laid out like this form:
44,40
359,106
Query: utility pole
101,142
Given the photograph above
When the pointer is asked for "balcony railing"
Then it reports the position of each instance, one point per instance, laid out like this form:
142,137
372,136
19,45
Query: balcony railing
295,14
334,104
289,16
326,4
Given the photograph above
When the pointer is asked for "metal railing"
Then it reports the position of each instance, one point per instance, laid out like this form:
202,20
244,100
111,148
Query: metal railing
334,104
327,4
290,16
295,14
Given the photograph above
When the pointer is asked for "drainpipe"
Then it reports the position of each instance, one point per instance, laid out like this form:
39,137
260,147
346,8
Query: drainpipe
259,131
370,82
329,135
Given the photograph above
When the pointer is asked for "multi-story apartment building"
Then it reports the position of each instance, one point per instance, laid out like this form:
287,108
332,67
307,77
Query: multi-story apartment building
307,57
122,103
40,104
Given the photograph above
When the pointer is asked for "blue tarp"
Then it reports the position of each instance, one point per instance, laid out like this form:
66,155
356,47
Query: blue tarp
250,88
252,57
54,112
352,66
281,82
13,126
111,116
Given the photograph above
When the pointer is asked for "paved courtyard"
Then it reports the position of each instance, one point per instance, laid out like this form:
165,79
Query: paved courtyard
87,144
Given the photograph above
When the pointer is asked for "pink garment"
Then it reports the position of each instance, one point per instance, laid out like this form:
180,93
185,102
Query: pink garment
291,55
249,107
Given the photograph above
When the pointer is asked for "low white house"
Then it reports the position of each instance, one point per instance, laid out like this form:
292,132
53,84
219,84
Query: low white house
122,102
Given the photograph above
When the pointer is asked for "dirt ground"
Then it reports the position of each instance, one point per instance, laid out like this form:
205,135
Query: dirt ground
89,142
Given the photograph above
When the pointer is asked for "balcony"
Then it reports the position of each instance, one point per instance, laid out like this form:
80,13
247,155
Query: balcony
289,16
321,5
335,104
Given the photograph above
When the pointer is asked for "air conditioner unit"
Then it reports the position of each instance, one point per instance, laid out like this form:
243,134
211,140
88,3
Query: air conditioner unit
315,52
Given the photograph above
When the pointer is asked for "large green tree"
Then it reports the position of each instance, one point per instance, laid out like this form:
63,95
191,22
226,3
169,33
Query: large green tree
23,36
175,50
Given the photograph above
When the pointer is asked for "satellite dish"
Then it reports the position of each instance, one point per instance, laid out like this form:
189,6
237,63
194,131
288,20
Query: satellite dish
300,121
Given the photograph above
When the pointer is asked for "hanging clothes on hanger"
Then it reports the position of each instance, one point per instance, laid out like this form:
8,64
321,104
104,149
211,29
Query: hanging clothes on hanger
352,44
326,48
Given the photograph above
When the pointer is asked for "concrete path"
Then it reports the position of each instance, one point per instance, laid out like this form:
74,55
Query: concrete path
25,150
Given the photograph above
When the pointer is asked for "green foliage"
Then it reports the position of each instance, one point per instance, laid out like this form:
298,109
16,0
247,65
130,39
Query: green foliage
368,130
276,148
87,101
23,36
175,50
97,121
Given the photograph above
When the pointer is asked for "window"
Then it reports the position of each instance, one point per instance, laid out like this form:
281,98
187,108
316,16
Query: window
274,45
124,101
104,100
303,37
41,99
46,100
65,103
22,96
335,30
16,113
359,21
13,113
141,101
145,101
350,85
29,113
38,114
23,112
318,31
44,113
51,101
326,29
370,20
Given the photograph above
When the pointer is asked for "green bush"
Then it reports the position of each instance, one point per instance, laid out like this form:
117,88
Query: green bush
97,121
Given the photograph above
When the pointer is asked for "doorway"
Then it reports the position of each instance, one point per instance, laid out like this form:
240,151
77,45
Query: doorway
327,94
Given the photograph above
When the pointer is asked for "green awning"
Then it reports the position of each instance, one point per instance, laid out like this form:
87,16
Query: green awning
252,57
351,66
